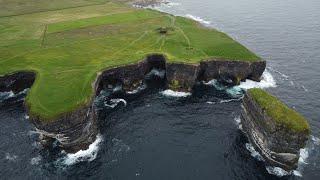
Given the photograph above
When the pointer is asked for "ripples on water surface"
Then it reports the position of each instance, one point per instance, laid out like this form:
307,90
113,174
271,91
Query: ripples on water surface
160,137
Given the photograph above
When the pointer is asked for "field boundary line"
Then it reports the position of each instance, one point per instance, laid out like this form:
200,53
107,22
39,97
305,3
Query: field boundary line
50,10
44,34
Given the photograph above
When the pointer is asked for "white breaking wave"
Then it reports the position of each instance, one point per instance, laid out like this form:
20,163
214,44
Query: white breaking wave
199,19
267,81
140,88
171,93
84,155
304,154
171,4
35,160
303,157
224,101
11,157
315,140
6,95
235,91
271,170
158,6
115,102
253,152
237,119
133,91
10,94
277,171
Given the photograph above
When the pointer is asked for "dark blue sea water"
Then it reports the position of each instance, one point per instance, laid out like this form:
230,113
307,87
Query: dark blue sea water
163,136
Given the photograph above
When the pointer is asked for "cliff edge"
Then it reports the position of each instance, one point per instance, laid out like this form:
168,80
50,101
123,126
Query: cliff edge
275,130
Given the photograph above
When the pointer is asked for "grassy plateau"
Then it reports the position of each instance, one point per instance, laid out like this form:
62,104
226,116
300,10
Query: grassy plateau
67,42
281,113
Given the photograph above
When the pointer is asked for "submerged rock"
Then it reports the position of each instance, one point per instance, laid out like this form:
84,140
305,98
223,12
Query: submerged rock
275,130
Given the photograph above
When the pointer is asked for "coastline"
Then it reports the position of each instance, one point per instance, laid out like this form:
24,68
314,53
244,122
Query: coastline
77,129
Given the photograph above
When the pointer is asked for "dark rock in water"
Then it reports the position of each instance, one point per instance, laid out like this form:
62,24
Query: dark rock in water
279,145
77,129
182,77
17,82
231,72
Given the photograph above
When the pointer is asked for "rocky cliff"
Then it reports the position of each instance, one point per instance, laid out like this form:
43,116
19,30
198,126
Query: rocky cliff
77,129
278,142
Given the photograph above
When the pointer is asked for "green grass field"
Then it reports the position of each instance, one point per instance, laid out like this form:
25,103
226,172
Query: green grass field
281,113
67,42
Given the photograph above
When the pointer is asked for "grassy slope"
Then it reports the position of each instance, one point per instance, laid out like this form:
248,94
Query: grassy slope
19,7
68,47
282,114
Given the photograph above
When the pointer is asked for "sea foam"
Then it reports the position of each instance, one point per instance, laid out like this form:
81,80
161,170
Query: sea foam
267,81
171,93
11,157
199,19
35,160
84,155
253,152
10,94
6,95
115,102
303,158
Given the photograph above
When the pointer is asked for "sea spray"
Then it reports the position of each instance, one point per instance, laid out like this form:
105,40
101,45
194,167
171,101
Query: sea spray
277,171
137,90
35,160
253,152
237,120
234,91
89,154
267,81
312,145
224,101
199,19
171,93
11,157
10,95
114,102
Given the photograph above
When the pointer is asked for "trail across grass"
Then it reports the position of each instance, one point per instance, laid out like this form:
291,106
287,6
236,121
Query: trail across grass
67,45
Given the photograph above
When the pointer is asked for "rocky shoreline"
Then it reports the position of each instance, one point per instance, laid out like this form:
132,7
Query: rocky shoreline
279,145
77,130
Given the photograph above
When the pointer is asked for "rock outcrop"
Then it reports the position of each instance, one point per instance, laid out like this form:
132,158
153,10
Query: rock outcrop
278,142
77,129
17,82
184,76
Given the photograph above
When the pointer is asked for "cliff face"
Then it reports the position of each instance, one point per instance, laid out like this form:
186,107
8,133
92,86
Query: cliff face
77,129
278,145
228,72
17,82
74,130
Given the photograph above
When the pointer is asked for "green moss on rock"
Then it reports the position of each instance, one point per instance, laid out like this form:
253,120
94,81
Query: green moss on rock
279,112
174,85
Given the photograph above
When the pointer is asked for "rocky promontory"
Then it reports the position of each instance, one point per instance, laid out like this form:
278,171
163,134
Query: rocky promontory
75,130
276,131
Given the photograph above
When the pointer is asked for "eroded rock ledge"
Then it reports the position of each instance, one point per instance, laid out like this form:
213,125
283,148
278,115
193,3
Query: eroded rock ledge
77,130
278,135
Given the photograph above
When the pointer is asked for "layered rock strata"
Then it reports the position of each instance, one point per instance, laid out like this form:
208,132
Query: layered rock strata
279,145
77,129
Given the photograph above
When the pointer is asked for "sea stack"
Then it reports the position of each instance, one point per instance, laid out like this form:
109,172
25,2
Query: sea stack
275,130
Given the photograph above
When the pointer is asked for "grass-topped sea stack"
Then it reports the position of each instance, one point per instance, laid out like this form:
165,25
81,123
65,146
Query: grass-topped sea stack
74,48
276,131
